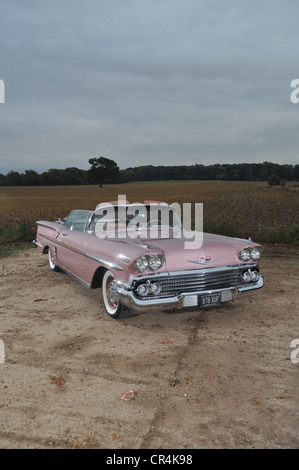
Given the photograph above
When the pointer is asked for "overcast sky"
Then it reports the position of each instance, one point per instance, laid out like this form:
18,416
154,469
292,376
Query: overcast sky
161,82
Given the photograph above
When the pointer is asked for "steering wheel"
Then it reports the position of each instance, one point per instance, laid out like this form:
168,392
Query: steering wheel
154,220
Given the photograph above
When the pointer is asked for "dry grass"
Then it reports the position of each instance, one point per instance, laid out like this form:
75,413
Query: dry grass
245,209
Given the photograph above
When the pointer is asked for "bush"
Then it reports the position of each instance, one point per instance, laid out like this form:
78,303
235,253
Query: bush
274,180
17,233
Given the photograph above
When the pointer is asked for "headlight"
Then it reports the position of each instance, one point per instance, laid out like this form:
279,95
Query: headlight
247,254
255,253
141,263
244,254
153,262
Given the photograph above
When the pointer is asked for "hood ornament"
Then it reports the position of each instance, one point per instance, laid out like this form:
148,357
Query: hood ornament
203,260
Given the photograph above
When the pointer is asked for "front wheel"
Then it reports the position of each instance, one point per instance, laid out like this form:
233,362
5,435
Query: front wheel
113,306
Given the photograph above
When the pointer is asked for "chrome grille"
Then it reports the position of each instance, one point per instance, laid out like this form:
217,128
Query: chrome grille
197,281
124,259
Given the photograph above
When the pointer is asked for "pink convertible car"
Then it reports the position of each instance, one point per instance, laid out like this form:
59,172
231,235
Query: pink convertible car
140,259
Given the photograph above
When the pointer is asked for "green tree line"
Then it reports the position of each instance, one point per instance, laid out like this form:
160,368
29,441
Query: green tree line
227,172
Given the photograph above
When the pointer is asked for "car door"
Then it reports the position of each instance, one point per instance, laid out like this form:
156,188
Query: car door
72,242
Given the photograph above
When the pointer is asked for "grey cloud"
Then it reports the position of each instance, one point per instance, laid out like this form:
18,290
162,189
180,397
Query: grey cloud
138,81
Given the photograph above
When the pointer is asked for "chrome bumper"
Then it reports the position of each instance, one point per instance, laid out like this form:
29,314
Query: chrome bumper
184,299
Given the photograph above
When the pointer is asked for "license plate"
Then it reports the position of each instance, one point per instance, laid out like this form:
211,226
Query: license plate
209,300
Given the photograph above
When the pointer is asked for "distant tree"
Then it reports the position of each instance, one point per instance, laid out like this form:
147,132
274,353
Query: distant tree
2,180
286,172
74,176
102,169
14,178
32,178
105,170
53,177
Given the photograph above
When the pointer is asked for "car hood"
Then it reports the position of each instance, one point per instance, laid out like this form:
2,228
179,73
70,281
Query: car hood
215,250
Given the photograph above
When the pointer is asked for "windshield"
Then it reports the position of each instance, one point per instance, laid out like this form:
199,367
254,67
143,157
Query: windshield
78,220
135,217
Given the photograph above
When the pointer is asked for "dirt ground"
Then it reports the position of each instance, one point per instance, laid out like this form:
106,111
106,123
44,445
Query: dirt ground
209,379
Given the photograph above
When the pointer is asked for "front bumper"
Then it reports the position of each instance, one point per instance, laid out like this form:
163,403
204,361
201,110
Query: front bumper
182,300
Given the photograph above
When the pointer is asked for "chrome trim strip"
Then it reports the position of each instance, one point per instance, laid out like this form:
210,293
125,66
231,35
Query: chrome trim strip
107,263
211,270
66,245
86,284
124,259
103,261
204,262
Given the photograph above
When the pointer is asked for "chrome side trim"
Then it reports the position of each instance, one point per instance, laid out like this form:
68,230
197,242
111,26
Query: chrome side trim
67,271
124,259
107,263
103,261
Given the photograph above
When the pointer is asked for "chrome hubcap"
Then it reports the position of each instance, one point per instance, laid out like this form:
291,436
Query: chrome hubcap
112,295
